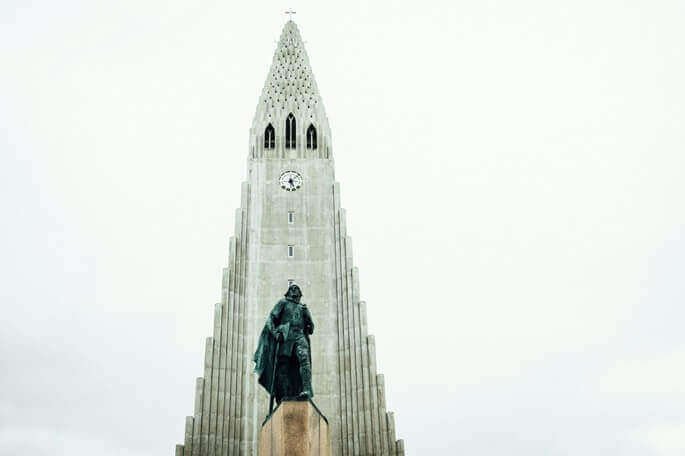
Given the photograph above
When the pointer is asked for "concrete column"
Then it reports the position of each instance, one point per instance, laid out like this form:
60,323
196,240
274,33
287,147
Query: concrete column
352,428
197,420
247,414
358,393
385,443
354,363
221,387
188,437
214,387
365,372
206,396
343,370
373,393
236,389
400,447
391,433
231,343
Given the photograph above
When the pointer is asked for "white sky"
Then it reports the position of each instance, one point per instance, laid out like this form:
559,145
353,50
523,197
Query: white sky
512,172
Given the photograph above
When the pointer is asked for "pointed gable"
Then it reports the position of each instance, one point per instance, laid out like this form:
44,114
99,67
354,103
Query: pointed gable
290,87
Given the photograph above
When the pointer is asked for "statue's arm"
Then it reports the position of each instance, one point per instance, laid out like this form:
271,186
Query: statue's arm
275,318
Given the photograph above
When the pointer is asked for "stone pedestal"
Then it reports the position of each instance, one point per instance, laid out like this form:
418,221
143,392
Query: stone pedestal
296,428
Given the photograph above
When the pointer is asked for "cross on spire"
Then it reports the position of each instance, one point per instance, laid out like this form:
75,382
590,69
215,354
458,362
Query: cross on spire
290,13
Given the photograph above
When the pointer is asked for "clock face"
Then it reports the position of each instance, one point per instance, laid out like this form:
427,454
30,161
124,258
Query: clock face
290,181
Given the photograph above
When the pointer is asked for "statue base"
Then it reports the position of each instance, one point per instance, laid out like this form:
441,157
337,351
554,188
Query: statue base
295,428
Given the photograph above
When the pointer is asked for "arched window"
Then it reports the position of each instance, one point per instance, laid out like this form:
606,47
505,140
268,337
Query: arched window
290,132
269,137
311,137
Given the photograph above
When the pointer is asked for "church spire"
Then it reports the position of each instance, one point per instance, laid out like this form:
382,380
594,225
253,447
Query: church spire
290,227
290,88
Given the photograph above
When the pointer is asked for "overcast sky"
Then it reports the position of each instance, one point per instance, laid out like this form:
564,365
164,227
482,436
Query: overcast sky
513,174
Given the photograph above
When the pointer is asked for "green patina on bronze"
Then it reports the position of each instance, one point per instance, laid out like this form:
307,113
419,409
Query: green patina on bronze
287,328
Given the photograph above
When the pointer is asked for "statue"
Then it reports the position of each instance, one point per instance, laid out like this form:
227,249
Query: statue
283,357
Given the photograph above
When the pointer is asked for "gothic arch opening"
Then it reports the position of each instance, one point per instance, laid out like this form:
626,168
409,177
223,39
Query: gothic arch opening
290,132
311,137
269,137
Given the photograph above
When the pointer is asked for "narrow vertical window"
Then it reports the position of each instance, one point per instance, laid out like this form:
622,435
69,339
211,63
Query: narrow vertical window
291,217
291,251
311,137
269,137
290,132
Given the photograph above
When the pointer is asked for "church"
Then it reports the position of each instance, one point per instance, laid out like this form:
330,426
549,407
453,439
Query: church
289,229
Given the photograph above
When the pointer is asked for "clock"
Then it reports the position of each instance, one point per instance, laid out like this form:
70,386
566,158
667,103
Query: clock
290,181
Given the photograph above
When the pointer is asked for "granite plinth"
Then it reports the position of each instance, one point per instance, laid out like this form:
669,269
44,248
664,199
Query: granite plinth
295,428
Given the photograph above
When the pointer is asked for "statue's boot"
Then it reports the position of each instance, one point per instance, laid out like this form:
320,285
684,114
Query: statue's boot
306,376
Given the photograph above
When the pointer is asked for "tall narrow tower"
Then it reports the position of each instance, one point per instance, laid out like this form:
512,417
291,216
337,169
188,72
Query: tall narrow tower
290,227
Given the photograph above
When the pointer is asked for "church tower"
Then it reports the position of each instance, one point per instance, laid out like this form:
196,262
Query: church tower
290,228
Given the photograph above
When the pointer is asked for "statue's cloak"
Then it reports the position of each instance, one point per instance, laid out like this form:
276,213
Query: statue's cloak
264,358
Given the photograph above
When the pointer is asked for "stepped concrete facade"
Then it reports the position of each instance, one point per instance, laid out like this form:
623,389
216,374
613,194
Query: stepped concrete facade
290,227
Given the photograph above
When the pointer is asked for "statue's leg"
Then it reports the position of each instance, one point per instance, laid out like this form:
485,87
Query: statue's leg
302,353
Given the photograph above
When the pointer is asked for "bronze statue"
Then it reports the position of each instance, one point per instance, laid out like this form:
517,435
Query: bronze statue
283,360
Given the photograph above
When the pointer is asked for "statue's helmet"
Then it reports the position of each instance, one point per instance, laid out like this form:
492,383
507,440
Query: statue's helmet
294,292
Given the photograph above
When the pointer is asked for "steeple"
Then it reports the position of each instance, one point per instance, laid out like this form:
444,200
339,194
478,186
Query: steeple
290,88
